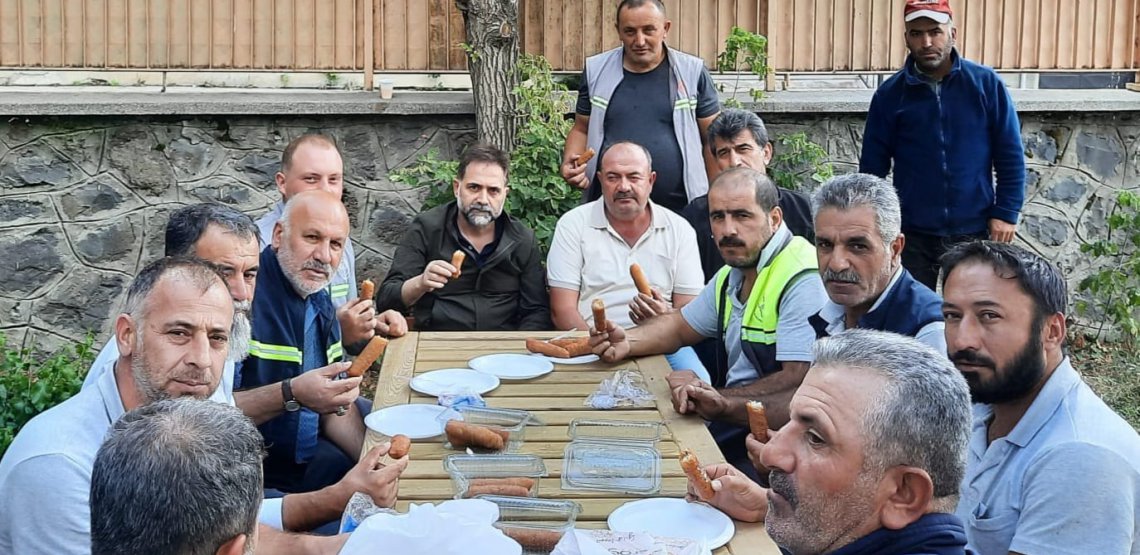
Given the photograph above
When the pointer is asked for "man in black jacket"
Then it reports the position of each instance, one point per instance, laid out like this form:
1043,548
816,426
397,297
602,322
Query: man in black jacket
500,285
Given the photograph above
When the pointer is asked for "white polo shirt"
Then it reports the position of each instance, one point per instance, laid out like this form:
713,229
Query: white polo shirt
590,257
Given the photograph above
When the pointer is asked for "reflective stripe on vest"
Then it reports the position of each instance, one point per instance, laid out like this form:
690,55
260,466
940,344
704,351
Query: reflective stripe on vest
334,353
283,353
338,291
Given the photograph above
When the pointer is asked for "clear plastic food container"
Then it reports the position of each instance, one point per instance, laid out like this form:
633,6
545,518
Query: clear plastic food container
514,422
471,474
537,524
613,455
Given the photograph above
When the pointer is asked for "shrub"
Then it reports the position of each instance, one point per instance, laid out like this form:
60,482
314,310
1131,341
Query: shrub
1115,288
796,154
30,385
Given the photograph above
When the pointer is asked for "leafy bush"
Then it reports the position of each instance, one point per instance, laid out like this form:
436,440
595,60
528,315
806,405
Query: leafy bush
29,385
538,195
1115,288
796,154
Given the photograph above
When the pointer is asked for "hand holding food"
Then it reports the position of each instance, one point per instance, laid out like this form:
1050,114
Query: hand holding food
457,259
640,280
371,352
697,475
401,445
462,435
599,309
757,421
367,289
581,159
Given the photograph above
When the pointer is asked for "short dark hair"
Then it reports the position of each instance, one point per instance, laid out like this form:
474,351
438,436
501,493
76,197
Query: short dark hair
201,273
486,154
179,477
1037,277
607,149
732,121
311,137
187,224
637,4
766,195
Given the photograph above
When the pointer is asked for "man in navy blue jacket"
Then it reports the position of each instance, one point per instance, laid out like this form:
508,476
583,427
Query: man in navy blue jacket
948,125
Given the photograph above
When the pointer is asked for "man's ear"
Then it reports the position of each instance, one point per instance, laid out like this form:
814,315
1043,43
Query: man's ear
278,235
767,153
1054,333
279,179
896,247
126,334
775,217
652,179
235,546
668,25
907,492
455,187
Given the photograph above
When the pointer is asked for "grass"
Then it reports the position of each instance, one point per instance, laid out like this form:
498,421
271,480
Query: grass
1113,372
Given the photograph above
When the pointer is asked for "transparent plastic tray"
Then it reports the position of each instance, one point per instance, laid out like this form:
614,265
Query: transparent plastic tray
613,455
513,421
542,521
465,468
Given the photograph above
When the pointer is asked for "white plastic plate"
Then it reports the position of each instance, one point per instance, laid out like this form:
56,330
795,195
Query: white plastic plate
512,366
414,421
584,359
672,517
454,380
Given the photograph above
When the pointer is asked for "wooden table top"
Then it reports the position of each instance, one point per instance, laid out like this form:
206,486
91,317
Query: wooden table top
556,398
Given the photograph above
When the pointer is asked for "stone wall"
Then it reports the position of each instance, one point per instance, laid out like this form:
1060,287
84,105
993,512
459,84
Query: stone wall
83,200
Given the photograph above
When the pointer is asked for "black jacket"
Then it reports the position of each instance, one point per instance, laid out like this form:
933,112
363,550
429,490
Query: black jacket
508,292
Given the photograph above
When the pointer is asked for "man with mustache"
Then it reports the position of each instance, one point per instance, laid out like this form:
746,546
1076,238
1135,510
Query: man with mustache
173,336
871,460
1051,468
501,285
758,306
947,125
314,439
858,245
596,243
647,93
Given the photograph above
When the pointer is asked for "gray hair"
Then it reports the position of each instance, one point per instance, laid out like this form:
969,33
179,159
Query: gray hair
732,121
179,476
187,224
198,272
847,191
922,417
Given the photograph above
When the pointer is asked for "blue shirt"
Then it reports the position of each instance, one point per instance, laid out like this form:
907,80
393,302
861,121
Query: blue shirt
1065,480
933,534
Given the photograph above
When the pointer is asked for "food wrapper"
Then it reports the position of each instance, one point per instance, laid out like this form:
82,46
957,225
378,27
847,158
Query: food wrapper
624,389
606,542
469,526
463,398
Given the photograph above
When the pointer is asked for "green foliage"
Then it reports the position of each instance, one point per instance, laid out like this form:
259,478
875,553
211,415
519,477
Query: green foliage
1115,288
30,385
797,154
744,52
538,195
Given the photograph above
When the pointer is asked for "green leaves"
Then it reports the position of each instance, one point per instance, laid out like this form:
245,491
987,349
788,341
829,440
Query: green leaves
743,52
797,154
30,385
1115,288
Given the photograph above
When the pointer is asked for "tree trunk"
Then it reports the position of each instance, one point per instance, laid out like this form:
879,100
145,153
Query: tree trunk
492,56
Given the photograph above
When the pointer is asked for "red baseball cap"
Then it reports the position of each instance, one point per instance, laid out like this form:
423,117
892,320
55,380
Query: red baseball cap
938,10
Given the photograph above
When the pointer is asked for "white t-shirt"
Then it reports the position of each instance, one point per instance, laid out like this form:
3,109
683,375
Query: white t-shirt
590,257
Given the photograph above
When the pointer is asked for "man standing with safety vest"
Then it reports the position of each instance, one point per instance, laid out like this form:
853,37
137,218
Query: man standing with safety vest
759,305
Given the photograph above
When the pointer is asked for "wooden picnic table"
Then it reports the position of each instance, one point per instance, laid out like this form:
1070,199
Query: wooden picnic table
556,398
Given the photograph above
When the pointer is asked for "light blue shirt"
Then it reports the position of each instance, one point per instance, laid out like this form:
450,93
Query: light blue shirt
794,335
342,286
1065,480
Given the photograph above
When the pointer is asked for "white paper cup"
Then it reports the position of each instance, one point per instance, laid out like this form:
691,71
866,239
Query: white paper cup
386,88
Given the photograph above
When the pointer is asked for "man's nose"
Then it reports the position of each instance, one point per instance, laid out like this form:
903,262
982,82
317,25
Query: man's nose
777,453
240,290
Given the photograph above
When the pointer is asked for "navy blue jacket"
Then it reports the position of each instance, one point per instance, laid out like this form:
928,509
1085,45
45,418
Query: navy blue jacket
933,534
908,307
946,147
275,351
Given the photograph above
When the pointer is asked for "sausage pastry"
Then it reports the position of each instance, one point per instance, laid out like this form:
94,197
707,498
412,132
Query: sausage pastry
640,280
758,421
461,435
599,308
457,260
371,352
401,444
584,157
367,289
543,348
696,474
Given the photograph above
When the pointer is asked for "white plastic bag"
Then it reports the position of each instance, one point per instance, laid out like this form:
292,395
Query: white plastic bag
458,527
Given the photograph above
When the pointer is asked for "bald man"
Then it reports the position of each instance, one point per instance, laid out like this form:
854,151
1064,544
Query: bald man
312,427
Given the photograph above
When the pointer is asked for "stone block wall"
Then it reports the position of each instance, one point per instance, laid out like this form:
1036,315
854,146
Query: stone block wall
83,201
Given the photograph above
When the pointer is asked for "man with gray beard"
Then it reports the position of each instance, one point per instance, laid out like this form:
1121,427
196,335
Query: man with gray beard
500,285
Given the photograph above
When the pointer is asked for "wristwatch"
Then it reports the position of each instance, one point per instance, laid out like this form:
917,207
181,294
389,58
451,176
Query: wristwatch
291,403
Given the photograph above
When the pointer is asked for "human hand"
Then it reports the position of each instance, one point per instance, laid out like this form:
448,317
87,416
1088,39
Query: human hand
703,399
573,173
391,324
735,493
357,321
643,307
610,344
380,482
677,381
755,450
1002,231
436,274
320,391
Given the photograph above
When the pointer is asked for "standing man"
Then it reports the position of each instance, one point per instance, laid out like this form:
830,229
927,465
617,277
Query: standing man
503,286
1050,468
947,125
858,245
313,161
645,93
738,139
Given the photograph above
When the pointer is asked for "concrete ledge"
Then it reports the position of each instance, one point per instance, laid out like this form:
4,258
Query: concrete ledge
123,101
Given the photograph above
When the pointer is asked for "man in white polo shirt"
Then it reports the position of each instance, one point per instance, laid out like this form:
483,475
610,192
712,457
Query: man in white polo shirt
595,244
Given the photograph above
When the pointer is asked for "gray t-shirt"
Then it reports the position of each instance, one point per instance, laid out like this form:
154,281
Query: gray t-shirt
794,335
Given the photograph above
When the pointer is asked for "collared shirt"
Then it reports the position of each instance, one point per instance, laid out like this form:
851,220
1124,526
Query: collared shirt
342,286
590,257
932,334
802,298
110,353
1065,480
481,256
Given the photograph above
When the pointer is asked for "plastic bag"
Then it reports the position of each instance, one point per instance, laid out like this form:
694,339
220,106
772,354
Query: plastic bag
625,388
606,542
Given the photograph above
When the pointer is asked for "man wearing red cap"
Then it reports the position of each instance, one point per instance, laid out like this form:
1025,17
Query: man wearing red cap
948,126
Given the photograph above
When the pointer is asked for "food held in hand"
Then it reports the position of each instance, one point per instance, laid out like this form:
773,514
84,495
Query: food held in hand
639,279
457,259
584,157
692,467
758,421
544,348
534,539
599,308
575,346
367,289
401,444
462,435
371,352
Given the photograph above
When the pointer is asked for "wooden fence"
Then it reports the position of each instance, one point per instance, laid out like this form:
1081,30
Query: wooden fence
424,35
